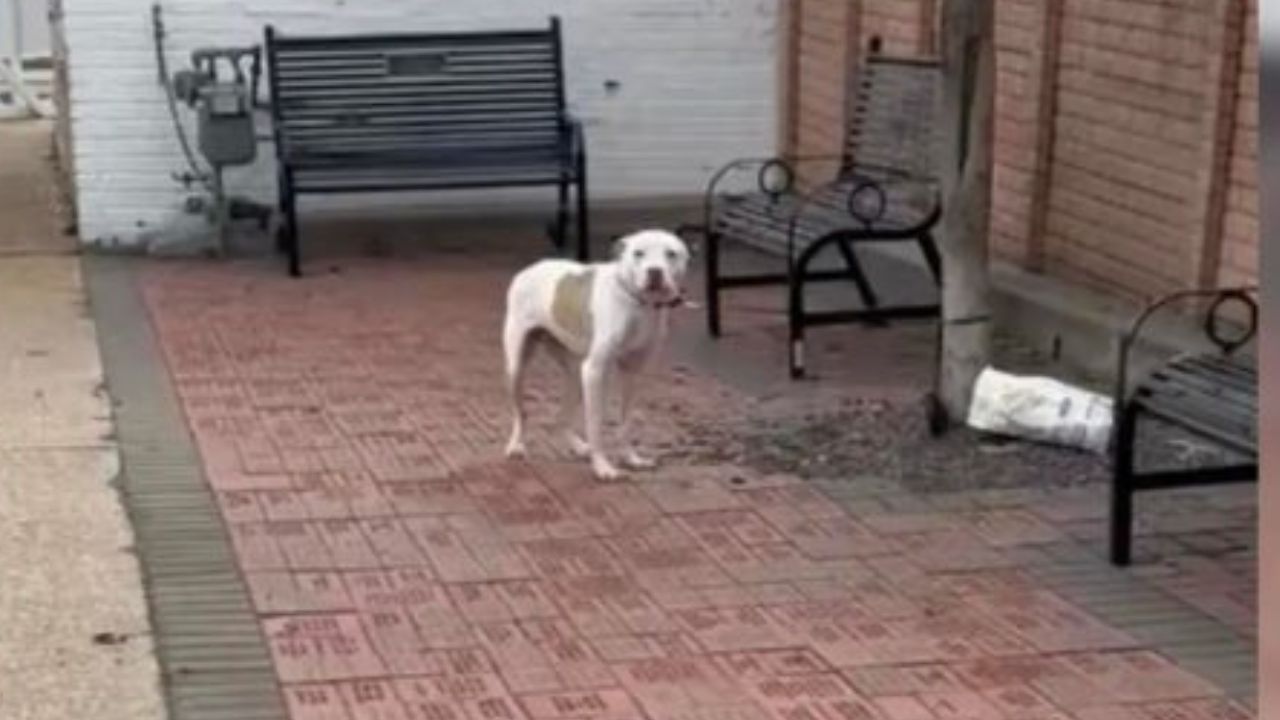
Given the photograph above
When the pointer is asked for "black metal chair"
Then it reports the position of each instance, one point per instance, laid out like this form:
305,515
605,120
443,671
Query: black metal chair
381,113
1213,396
884,190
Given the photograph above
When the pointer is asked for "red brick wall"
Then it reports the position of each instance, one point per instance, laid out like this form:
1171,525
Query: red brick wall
1122,189
898,23
1240,231
822,29
1018,65
1112,166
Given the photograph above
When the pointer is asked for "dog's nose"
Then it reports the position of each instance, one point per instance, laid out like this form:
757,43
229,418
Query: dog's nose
654,279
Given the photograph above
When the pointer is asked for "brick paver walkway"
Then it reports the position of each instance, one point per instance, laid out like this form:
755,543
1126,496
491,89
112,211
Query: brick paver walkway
351,427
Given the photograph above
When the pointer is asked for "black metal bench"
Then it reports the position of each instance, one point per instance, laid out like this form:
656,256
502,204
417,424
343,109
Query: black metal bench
885,190
377,113
1210,395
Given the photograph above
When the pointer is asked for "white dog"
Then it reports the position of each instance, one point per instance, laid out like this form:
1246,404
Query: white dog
595,320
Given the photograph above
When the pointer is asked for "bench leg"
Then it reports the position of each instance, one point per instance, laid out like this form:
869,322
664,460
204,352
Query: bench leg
282,200
584,222
291,239
929,249
854,268
287,236
560,233
711,272
1122,488
795,319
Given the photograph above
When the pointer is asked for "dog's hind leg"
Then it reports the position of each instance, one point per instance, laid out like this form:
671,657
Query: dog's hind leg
571,404
517,345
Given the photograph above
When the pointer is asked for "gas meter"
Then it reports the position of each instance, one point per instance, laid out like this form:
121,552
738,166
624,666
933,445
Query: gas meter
223,102
221,85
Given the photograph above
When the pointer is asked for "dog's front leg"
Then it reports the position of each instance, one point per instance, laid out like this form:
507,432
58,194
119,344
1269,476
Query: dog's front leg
629,378
594,370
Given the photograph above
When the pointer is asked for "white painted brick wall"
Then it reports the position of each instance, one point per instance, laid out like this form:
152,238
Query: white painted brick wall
697,82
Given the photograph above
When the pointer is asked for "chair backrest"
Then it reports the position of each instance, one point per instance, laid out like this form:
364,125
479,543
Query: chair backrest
892,120
417,95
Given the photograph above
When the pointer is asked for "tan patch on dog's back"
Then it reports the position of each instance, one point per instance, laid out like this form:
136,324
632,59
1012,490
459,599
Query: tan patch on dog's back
571,307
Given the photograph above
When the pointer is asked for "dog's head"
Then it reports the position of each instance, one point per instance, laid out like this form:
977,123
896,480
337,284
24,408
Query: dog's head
653,264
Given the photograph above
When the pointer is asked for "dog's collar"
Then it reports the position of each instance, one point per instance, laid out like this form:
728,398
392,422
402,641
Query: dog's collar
652,305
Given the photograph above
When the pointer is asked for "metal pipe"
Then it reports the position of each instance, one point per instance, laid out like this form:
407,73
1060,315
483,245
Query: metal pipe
198,174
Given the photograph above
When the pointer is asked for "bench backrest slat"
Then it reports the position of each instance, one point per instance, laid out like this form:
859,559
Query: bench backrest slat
346,95
891,124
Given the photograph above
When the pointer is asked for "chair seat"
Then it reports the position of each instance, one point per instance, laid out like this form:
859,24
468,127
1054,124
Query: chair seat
764,221
1212,396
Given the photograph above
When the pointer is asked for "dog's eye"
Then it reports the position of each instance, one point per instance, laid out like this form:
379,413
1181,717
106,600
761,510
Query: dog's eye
671,255
639,254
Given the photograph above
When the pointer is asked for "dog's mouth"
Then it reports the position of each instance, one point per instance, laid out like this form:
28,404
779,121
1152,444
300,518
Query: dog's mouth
664,294
674,297
656,285
658,291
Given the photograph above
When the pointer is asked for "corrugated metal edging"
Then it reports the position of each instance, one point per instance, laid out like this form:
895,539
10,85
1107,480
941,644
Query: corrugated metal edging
212,654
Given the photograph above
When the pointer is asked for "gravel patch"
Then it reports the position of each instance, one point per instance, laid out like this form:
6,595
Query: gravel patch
864,437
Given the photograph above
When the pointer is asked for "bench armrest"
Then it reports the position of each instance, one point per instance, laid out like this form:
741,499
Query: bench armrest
866,199
781,169
787,165
1218,297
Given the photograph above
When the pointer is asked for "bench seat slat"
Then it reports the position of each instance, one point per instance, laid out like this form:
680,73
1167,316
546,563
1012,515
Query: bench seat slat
762,220
1213,397
1227,371
413,138
397,155
540,89
435,147
1194,400
414,124
1209,384
445,61
1229,382
358,43
345,110
378,73
1202,421
347,56
347,178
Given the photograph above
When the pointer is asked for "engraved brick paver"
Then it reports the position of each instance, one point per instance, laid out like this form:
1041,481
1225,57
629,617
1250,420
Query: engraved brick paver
351,425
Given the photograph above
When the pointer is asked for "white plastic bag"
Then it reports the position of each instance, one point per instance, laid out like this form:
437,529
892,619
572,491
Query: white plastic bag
1040,409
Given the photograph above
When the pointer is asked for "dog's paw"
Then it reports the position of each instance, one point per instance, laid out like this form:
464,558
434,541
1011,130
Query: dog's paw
516,450
636,461
578,446
605,470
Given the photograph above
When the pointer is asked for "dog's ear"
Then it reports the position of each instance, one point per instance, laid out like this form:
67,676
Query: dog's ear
688,234
618,246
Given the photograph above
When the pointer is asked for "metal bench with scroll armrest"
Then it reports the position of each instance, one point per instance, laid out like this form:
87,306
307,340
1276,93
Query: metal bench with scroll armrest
884,190
1213,396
